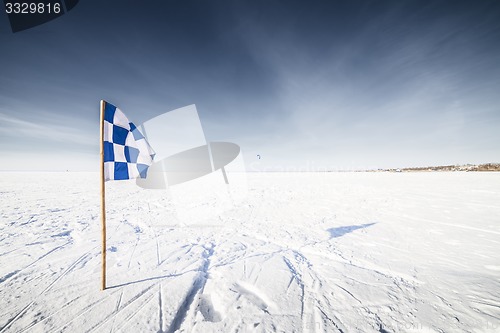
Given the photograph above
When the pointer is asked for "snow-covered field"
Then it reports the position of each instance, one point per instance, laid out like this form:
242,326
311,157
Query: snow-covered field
304,252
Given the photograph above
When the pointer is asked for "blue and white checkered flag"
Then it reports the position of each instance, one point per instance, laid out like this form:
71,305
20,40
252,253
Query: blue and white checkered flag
127,154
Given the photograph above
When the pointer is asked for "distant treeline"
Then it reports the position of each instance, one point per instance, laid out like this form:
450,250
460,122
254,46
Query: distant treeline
466,167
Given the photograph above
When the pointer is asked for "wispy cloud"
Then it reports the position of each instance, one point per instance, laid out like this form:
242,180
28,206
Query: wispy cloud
334,82
15,128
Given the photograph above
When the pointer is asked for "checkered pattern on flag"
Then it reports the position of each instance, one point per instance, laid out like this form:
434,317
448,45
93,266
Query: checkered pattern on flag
127,154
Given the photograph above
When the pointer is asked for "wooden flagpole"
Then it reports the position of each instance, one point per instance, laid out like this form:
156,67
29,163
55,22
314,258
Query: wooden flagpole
103,200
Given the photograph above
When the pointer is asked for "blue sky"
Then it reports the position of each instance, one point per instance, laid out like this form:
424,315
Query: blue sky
305,85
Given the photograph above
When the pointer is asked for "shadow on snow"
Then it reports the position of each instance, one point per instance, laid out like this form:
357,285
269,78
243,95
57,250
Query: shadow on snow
341,231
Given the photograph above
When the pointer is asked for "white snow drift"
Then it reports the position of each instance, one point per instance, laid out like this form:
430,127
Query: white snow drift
303,252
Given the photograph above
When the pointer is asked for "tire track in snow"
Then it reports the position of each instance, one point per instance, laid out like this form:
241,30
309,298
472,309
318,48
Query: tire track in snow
118,310
25,309
9,275
298,278
348,292
35,323
307,300
158,253
310,284
399,282
197,288
182,312
13,273
129,318
466,227
160,304
13,250
330,319
132,254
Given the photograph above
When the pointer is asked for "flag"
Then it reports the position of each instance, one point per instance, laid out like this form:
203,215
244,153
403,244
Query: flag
127,154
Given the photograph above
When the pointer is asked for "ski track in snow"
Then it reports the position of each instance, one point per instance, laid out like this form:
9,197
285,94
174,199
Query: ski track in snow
332,252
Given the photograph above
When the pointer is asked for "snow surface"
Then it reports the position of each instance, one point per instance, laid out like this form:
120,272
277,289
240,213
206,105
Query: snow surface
303,252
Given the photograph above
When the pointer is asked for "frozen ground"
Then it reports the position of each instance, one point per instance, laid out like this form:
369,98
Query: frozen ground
309,252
